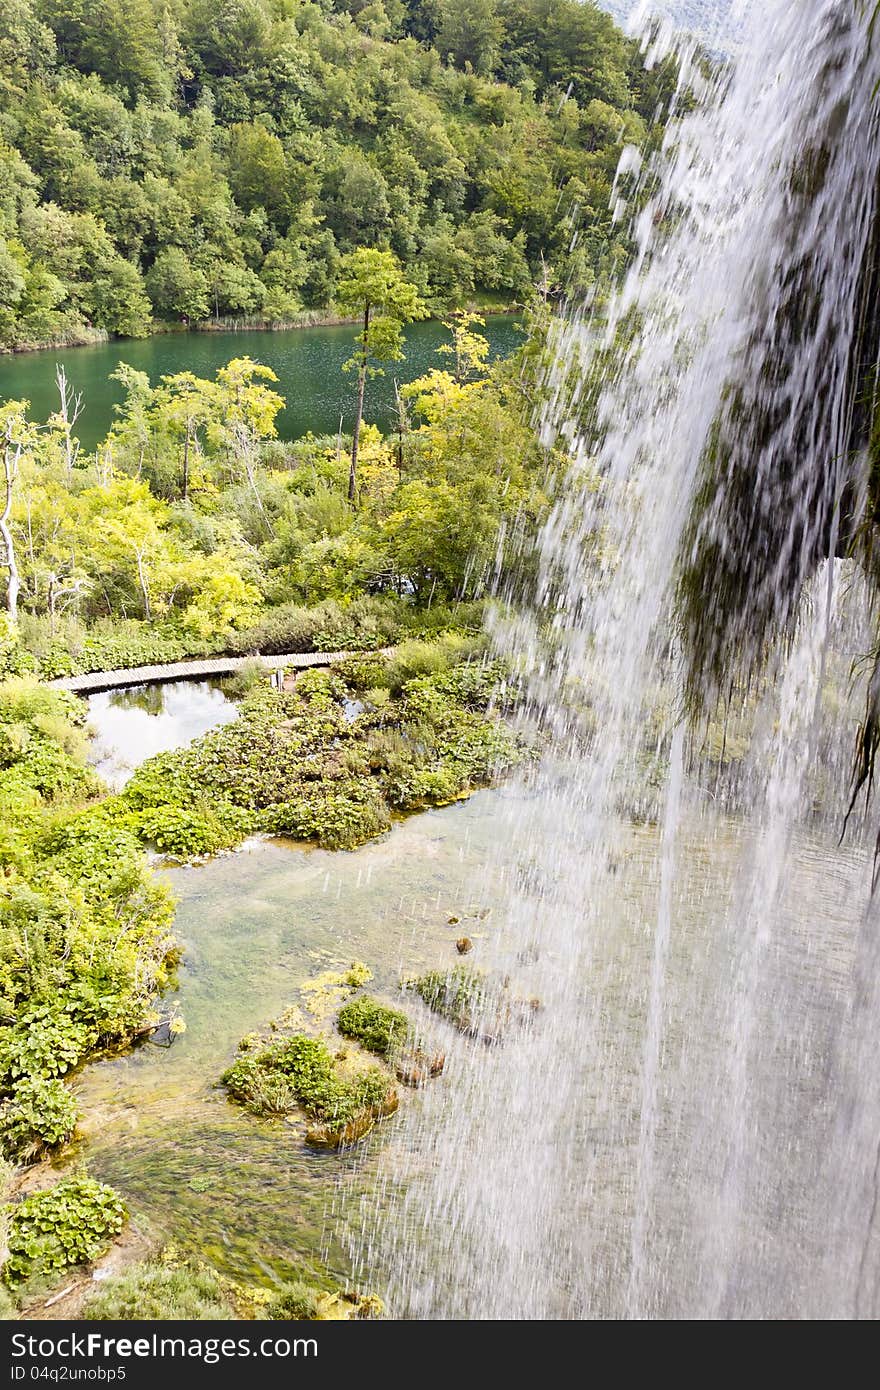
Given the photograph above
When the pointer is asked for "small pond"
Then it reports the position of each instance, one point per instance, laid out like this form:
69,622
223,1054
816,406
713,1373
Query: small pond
134,724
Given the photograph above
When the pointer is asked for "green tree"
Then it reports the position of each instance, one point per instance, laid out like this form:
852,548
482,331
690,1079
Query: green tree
177,288
372,285
119,300
257,168
470,32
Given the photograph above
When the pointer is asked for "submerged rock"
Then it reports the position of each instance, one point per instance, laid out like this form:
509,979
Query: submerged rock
416,1068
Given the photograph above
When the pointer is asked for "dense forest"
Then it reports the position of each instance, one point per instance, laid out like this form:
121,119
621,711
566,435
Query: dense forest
173,161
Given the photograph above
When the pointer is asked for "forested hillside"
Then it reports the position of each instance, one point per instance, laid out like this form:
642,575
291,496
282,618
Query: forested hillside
180,160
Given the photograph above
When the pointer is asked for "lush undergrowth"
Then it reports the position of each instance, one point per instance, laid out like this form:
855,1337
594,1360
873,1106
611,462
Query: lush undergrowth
85,938
71,648
85,946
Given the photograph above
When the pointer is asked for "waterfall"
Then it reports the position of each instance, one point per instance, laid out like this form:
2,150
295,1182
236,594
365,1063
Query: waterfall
689,1126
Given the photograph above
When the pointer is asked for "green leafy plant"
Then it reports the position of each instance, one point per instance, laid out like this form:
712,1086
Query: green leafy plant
299,1071
38,1114
69,1224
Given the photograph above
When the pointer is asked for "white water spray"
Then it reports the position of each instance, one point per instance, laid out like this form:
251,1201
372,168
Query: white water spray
662,1141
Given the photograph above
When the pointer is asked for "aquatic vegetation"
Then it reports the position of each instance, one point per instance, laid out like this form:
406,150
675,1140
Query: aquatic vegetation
68,1224
39,1113
301,1301
374,1025
326,992
471,1003
300,1072
458,995
296,763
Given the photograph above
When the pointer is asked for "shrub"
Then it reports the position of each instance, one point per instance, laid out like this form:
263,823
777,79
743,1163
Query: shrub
300,1071
428,658
39,1114
109,644
158,1292
363,625
245,680
375,1026
42,741
70,1224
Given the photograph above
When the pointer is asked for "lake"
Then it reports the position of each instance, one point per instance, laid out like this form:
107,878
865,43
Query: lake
307,361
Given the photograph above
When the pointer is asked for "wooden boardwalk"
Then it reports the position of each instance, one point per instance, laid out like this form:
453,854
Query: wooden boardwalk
197,670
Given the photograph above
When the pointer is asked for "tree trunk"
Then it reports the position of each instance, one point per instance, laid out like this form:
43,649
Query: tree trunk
186,464
359,413
13,583
145,592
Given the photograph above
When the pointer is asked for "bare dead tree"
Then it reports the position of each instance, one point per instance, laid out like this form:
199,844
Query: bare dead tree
69,411
11,456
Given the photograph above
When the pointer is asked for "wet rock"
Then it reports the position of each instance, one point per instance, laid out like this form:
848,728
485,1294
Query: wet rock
463,945
417,1068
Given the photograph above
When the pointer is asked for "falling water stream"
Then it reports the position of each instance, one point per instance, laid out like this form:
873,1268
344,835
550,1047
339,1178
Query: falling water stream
690,1125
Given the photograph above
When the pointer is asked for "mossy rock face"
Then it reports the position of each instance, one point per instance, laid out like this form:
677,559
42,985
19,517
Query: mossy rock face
457,995
331,1136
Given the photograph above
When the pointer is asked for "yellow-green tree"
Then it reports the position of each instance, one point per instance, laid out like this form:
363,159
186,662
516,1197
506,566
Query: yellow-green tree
372,285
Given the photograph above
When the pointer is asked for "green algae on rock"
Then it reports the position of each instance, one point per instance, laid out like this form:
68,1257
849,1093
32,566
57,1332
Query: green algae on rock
465,998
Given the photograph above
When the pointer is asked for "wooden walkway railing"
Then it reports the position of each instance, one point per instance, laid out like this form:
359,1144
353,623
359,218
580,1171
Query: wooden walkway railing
193,670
